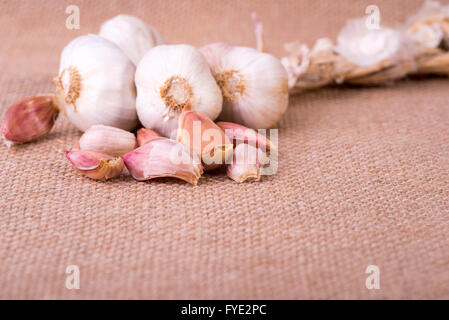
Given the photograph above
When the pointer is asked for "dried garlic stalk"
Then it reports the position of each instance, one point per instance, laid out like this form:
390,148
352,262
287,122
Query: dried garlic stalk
429,31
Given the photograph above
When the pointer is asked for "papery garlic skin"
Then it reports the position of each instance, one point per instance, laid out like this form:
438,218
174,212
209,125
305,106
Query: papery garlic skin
366,47
168,78
95,165
96,84
254,84
132,35
29,119
429,27
162,157
108,140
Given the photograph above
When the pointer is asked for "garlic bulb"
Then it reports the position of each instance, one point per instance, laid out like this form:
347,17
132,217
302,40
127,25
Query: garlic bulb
366,47
96,84
254,84
168,78
430,26
132,35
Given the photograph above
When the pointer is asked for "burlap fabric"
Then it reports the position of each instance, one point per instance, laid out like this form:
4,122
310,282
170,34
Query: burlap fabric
362,180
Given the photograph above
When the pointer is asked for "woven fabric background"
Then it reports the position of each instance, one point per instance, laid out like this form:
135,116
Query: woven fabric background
363,178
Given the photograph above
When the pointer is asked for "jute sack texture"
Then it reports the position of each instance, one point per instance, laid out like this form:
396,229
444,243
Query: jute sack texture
362,178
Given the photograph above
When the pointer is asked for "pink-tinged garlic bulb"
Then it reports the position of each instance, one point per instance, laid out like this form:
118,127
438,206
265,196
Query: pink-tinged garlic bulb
95,165
429,27
29,119
170,77
96,84
163,157
254,84
132,35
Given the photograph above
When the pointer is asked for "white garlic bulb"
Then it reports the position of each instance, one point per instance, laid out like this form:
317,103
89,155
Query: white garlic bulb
96,84
366,47
254,84
427,36
132,35
428,28
168,78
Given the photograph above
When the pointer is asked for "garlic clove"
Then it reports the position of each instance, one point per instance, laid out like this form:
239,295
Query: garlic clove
95,165
132,35
163,157
204,137
107,140
238,133
247,163
29,119
145,135
168,78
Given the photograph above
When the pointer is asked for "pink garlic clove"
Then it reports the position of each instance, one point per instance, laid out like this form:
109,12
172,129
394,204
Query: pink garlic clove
247,163
238,133
199,133
145,135
107,140
29,119
95,165
163,157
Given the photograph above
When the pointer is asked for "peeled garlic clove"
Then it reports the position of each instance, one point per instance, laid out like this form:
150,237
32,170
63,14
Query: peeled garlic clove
95,165
132,35
247,163
162,157
168,78
204,137
145,135
238,133
96,84
107,140
254,85
29,119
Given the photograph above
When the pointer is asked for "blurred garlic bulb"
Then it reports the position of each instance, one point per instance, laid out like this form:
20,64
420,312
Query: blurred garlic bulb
366,47
254,84
132,35
168,78
429,26
96,84
426,35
